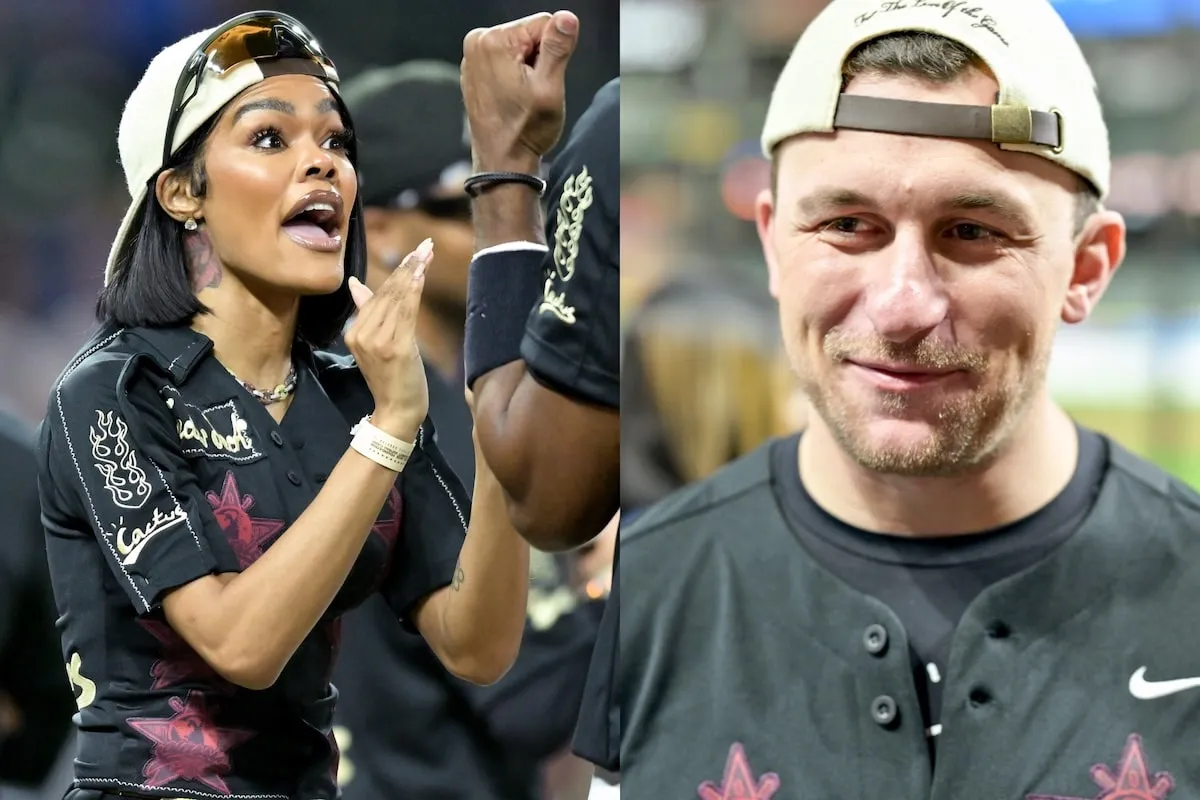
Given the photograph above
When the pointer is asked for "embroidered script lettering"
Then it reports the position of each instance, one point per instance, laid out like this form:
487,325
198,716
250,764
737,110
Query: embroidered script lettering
218,432
556,303
117,461
944,7
131,542
573,204
233,443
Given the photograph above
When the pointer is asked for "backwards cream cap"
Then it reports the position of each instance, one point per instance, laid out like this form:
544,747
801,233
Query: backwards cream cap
1047,104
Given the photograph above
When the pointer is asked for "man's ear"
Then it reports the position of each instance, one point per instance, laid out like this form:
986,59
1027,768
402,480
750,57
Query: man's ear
173,188
1100,249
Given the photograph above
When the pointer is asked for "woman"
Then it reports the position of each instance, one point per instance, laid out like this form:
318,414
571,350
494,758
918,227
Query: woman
205,531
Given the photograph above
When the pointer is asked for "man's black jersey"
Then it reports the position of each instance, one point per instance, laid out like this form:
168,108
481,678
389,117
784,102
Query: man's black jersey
930,582
156,468
573,337
749,669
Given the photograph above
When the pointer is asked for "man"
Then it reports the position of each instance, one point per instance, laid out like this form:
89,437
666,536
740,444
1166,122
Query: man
945,589
408,728
35,696
546,381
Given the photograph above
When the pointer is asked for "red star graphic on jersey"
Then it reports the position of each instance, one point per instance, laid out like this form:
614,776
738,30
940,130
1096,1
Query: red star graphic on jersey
246,534
1131,781
188,745
179,662
739,782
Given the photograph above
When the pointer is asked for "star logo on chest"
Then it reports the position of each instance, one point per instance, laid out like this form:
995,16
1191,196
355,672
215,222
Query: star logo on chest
739,782
246,534
1130,781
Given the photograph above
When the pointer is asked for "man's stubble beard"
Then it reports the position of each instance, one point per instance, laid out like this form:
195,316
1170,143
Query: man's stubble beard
973,428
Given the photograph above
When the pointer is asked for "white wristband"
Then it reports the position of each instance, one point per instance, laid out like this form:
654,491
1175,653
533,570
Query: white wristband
381,447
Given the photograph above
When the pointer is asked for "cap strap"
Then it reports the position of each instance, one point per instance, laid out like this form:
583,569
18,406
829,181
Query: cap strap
998,123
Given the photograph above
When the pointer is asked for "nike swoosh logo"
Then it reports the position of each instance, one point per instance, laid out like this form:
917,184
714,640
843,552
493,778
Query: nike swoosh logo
1143,689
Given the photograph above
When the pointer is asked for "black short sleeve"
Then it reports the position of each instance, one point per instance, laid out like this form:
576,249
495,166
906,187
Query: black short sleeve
572,337
435,511
111,467
598,732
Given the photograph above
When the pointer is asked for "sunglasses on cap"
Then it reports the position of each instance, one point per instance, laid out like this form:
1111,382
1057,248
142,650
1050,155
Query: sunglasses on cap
259,36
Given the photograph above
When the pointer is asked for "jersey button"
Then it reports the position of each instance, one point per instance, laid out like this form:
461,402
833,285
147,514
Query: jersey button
875,639
294,478
276,438
884,711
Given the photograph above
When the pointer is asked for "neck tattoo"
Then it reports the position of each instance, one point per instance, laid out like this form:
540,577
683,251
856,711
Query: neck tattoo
272,396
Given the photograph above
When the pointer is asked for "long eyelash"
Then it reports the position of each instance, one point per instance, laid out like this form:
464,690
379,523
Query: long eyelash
263,133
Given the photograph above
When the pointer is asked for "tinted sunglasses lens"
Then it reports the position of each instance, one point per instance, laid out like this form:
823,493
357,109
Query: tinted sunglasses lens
253,38
265,37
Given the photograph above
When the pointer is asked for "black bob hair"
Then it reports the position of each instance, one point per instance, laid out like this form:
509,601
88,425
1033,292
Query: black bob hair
151,286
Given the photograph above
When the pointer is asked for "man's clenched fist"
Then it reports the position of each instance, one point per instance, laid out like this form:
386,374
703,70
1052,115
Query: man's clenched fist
513,84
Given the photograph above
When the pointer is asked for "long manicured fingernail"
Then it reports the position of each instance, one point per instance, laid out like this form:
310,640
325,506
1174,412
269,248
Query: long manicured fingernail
424,251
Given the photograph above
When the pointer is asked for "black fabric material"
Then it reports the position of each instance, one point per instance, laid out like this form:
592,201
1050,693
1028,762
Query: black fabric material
31,667
598,734
741,640
929,583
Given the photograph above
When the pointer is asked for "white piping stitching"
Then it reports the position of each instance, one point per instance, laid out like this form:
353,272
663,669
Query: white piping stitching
127,785
461,519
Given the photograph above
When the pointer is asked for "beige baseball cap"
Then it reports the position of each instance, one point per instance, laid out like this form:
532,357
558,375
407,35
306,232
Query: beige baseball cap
144,121
1047,103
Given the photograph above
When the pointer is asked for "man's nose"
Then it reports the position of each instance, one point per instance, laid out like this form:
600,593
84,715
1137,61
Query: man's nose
906,298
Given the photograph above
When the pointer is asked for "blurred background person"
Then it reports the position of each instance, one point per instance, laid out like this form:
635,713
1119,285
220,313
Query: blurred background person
35,700
409,727
692,106
704,380
64,193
